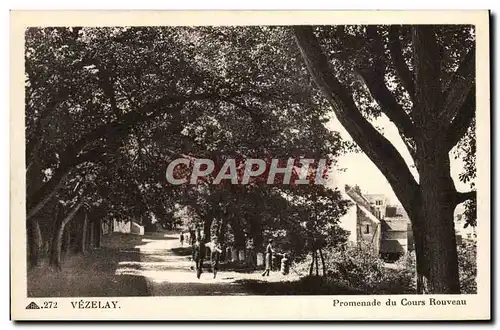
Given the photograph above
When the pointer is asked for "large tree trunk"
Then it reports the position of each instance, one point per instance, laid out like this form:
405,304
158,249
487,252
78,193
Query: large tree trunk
311,267
421,262
55,249
435,227
91,240
34,242
61,222
207,226
83,238
98,233
322,261
66,244
222,231
316,261
239,235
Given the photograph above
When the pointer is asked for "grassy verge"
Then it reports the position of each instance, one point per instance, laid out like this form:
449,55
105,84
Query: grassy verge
92,274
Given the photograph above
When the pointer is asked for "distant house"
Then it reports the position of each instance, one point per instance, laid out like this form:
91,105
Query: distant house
387,228
372,220
122,226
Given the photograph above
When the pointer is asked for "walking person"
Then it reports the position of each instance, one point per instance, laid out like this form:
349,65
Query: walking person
192,237
269,258
181,238
215,254
198,256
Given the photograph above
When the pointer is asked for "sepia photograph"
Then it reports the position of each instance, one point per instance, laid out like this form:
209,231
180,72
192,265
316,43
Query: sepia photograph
327,159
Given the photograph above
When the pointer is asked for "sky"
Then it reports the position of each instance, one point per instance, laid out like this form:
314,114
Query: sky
360,170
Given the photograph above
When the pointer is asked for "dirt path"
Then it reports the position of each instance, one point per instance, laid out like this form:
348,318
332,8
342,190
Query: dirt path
166,265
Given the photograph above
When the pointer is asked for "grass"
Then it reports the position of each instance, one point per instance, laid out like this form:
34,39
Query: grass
91,274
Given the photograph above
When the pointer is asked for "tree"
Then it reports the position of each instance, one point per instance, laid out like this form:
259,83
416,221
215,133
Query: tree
111,107
89,88
423,79
289,123
318,210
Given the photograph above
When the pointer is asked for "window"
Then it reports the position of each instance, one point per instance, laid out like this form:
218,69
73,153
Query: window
379,202
367,229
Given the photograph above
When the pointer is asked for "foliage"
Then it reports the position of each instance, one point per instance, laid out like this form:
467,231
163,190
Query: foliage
359,268
130,100
467,263
466,151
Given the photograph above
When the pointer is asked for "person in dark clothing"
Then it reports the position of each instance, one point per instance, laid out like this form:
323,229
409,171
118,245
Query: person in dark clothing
181,238
198,256
215,253
269,258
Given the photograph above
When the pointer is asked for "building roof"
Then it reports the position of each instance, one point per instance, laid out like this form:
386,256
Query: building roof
357,197
395,224
369,214
362,203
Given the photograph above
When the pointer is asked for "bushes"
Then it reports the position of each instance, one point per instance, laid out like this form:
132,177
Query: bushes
358,267
467,264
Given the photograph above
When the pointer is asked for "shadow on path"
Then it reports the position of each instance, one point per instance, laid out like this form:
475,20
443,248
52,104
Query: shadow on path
169,271
90,275
305,286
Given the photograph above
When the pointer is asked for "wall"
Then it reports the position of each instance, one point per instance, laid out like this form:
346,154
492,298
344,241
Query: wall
349,222
394,235
121,226
136,229
368,230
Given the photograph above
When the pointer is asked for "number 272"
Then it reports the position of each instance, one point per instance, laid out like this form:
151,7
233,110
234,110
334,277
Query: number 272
49,304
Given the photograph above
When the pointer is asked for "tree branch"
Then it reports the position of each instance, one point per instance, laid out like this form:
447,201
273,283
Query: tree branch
395,49
255,114
37,201
464,196
73,212
70,156
374,145
379,91
459,87
34,139
106,83
458,127
374,80
427,74
376,48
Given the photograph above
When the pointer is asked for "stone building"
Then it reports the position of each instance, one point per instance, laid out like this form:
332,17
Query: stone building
372,220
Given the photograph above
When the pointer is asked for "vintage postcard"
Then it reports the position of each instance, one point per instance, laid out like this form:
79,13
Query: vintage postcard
250,165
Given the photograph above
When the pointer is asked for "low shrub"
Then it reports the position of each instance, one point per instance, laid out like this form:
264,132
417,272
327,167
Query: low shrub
358,267
467,265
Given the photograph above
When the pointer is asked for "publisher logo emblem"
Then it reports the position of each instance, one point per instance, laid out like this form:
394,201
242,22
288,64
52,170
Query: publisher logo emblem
32,305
